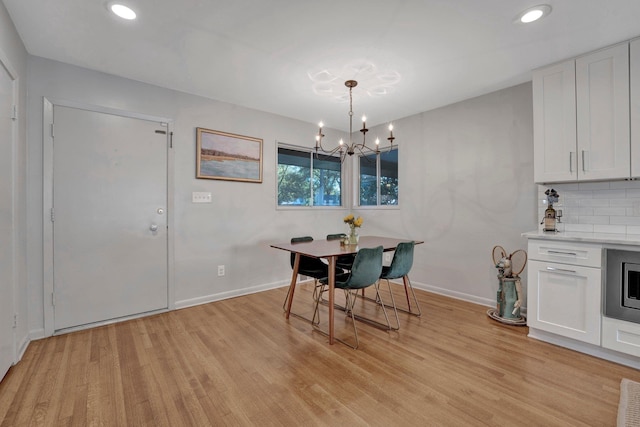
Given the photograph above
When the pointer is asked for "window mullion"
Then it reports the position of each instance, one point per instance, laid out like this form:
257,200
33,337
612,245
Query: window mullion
313,202
378,181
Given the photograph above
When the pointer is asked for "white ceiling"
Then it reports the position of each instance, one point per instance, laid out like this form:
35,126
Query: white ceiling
263,54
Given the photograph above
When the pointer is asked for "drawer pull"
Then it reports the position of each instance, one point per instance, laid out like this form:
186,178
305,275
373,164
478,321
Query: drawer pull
562,253
561,270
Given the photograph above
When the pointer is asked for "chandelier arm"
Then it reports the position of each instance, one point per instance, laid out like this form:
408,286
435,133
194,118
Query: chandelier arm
350,147
364,150
327,152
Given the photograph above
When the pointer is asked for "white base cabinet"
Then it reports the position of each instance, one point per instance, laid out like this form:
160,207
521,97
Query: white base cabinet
565,283
621,336
565,300
564,293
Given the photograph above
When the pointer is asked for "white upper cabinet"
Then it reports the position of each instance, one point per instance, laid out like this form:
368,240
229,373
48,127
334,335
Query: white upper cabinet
581,118
634,68
602,93
554,121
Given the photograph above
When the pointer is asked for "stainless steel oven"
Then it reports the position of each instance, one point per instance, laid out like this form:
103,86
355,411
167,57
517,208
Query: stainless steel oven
622,285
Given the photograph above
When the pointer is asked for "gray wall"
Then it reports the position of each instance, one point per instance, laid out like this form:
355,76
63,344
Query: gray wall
12,50
466,184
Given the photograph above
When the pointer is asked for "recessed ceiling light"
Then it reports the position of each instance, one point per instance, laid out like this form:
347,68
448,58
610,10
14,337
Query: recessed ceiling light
533,14
123,11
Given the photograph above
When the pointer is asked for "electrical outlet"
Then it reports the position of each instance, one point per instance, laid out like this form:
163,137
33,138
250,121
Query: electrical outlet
201,197
387,257
221,270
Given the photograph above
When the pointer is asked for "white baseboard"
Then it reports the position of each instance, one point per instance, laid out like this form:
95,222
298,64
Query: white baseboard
22,347
229,294
454,294
36,334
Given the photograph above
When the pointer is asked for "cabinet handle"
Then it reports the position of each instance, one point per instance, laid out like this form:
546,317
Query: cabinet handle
584,168
561,270
562,253
570,161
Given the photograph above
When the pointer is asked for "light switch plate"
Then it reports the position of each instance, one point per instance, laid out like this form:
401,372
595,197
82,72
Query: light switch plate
201,197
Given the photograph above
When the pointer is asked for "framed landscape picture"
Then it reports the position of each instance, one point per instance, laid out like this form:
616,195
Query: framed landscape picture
222,155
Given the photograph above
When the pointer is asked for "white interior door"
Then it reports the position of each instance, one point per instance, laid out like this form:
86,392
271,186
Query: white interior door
7,339
109,216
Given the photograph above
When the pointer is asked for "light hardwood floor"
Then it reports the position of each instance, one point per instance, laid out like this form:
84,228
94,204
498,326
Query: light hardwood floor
239,362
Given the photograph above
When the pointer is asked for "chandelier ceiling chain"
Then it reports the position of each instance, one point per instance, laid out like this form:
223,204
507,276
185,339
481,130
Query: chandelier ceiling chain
352,147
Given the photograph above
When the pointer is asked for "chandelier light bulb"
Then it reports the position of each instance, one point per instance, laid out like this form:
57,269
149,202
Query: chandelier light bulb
341,142
390,127
321,125
377,141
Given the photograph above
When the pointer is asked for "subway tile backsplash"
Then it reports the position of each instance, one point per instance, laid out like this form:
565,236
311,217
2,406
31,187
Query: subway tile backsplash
598,207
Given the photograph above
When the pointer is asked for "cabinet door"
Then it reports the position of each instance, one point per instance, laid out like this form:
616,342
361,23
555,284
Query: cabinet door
602,93
634,68
565,300
554,123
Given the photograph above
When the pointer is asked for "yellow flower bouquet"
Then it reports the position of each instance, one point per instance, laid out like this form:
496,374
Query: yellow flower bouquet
352,221
353,224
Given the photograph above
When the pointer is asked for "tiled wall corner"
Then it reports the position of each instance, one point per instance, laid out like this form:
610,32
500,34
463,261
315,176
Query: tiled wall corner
598,207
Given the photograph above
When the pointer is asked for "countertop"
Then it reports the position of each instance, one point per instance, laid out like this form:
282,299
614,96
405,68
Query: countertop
602,238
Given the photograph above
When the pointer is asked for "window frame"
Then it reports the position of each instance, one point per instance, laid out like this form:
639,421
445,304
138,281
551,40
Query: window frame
357,185
344,201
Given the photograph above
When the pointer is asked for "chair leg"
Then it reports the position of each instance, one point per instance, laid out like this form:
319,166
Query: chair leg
407,288
348,308
316,313
377,299
284,304
383,305
393,302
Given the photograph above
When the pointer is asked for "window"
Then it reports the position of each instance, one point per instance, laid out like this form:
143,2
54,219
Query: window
308,179
379,179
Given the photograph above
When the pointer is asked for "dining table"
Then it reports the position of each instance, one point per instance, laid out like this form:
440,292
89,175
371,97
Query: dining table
330,250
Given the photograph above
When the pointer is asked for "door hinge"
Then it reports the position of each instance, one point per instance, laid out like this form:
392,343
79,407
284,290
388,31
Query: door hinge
52,132
15,320
14,112
53,215
170,139
53,299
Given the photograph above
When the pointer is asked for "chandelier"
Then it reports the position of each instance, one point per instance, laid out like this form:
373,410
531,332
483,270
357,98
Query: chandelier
352,147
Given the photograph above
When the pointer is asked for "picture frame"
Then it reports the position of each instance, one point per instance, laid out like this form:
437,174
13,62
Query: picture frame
227,156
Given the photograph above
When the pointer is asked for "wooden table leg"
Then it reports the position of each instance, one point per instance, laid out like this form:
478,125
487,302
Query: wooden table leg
292,285
332,285
405,280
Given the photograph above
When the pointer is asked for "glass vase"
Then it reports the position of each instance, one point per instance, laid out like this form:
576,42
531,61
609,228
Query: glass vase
353,236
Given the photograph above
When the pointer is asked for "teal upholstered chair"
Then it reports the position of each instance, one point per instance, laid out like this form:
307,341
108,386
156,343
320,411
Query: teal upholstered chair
399,268
310,267
365,272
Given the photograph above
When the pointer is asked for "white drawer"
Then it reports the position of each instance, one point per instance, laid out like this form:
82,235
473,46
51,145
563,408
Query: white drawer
584,254
621,336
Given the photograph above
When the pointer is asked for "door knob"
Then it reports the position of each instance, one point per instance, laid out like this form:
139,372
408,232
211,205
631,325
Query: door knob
154,227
